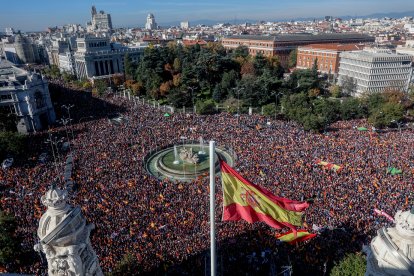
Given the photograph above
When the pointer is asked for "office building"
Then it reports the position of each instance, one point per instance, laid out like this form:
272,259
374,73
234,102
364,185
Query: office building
25,94
151,24
281,45
101,21
326,55
375,70
185,25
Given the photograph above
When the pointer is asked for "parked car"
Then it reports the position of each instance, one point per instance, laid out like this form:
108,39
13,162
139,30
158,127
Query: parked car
43,157
7,163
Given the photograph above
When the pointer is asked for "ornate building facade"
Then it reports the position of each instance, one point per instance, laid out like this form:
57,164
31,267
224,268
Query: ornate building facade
64,237
26,95
97,57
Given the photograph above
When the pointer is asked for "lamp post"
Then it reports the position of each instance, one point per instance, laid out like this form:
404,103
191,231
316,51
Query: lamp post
238,102
399,124
65,122
276,101
192,97
68,107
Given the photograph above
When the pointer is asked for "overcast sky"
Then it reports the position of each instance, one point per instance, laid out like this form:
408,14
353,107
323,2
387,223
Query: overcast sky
29,15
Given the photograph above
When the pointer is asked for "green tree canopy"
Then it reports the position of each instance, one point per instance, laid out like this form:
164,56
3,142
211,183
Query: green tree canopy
11,143
351,265
9,243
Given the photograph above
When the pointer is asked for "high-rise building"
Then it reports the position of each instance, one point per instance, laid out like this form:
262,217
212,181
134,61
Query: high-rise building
9,31
98,57
26,95
101,21
151,24
185,25
25,49
375,70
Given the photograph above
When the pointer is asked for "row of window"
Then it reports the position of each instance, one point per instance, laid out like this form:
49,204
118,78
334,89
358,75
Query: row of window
97,44
301,52
369,71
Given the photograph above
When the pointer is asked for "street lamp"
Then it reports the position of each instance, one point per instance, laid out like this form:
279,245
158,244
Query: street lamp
68,107
238,102
276,101
65,122
192,97
399,124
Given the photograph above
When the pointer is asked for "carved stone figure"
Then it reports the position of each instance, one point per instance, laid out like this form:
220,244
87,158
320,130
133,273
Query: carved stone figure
392,250
188,156
64,237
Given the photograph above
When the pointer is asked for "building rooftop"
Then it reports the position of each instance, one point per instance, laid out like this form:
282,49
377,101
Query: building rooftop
376,54
304,37
334,47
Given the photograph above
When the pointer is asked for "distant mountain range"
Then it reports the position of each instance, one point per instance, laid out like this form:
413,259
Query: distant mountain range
209,22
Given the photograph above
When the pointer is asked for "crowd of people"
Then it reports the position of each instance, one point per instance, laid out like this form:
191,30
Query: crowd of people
164,224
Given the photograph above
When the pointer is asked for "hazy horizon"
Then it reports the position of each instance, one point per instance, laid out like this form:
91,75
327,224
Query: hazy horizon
46,13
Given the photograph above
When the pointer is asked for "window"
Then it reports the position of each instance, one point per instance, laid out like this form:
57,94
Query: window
39,100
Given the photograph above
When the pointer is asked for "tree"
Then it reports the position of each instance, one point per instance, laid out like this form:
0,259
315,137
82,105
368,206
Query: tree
10,250
241,51
128,66
11,143
206,107
292,58
100,86
7,120
351,265
127,266
351,108
269,109
386,114
349,86
335,91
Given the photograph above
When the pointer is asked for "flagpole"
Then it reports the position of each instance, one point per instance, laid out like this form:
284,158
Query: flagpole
212,205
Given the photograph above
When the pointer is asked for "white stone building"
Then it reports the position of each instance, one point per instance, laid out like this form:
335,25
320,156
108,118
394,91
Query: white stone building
64,237
101,21
392,251
185,25
26,95
98,57
151,24
67,63
375,70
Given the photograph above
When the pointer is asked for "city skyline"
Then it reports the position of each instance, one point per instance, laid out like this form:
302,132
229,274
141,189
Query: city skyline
133,13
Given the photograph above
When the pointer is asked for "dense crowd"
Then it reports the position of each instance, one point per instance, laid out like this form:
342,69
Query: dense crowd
164,223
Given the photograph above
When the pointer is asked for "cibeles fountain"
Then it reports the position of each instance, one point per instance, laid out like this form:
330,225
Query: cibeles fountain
64,237
392,250
184,161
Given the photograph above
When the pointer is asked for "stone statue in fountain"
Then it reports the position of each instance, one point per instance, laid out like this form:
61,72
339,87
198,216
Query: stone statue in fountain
188,156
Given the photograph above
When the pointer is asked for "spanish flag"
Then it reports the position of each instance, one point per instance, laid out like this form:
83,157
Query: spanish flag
301,235
245,200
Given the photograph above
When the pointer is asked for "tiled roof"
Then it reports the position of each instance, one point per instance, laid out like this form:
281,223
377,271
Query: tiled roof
304,37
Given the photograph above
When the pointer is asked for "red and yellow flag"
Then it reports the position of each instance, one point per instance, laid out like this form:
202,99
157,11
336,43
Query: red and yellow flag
245,200
301,235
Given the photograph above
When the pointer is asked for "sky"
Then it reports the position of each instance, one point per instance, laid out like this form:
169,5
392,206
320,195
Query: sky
29,15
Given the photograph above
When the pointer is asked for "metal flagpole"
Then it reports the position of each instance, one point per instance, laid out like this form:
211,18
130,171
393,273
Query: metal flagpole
212,205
